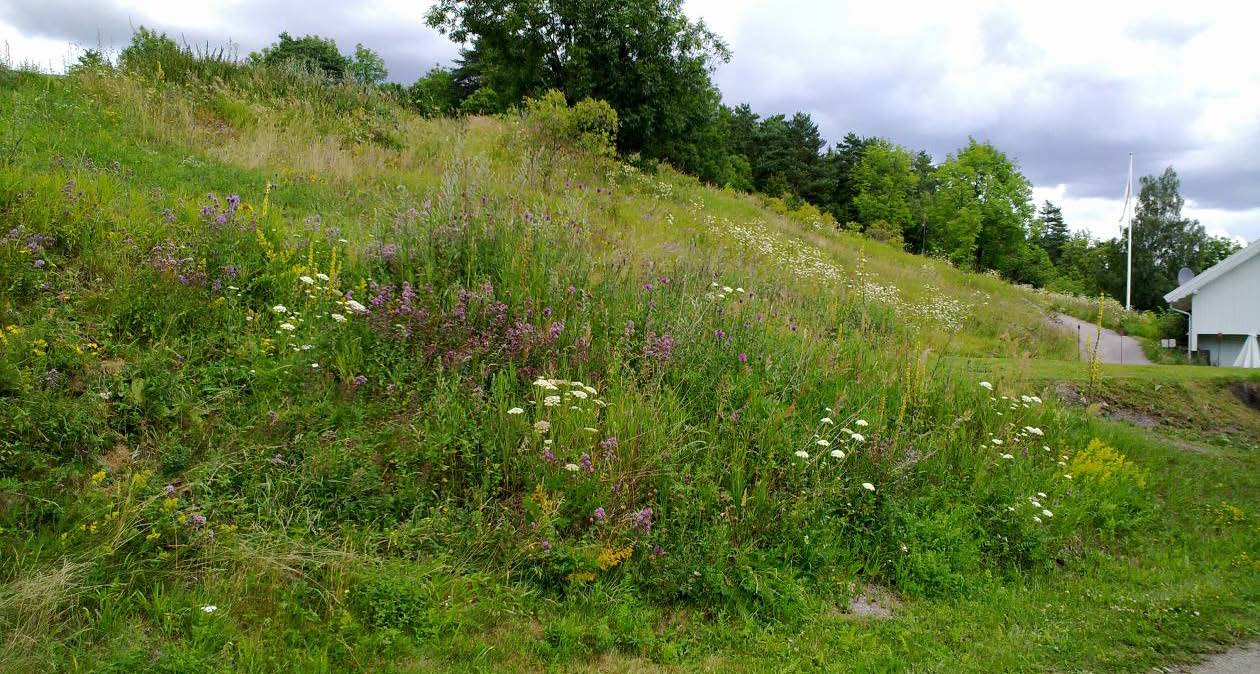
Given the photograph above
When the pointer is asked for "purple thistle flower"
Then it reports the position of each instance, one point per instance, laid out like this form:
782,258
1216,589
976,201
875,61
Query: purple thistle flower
719,333
169,490
608,443
359,380
658,551
743,357
197,521
647,286
586,463
548,455
659,348
598,514
546,545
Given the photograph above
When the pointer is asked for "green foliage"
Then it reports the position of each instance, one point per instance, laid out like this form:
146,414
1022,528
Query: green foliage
435,94
316,54
980,210
644,57
367,67
590,125
886,185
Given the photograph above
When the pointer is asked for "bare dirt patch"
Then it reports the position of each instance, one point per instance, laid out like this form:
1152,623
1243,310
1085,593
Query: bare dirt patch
872,602
1247,393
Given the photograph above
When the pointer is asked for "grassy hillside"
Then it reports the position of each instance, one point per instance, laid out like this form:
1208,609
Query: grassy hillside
292,380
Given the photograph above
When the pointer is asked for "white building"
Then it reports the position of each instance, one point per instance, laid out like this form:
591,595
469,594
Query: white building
1223,304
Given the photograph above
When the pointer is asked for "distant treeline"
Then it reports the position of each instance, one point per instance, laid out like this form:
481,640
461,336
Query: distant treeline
654,66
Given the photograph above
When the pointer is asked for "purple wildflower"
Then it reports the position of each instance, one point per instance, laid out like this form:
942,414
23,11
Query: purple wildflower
39,264
359,380
719,333
658,551
647,286
197,521
599,514
169,490
546,545
743,357
659,348
608,443
586,463
642,520
549,456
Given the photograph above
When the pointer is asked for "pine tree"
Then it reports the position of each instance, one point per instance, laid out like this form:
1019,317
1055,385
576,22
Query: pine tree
1054,231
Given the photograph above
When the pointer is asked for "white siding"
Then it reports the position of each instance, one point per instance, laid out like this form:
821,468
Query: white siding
1230,305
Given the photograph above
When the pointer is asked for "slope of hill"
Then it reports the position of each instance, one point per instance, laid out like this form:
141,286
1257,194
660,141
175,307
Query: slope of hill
293,380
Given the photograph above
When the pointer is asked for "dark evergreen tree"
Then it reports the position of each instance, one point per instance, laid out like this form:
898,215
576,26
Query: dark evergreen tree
1054,232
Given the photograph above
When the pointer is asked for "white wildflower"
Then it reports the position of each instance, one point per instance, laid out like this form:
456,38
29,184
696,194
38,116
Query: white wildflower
288,326
860,423
857,437
516,410
356,307
551,401
322,276
823,442
837,454
280,309
1036,519
826,421
580,395
1007,456
1047,513
339,318
209,608
307,280
542,425
800,453
986,386
995,441
571,467
868,486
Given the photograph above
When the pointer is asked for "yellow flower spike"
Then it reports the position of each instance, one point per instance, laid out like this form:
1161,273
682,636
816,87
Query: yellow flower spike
98,477
266,204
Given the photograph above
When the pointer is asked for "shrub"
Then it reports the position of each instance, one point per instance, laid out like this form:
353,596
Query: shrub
591,125
886,232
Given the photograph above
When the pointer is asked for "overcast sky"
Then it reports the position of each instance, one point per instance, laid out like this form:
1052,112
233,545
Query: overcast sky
1066,88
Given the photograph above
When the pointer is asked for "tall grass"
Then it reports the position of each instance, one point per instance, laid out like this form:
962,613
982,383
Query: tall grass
374,396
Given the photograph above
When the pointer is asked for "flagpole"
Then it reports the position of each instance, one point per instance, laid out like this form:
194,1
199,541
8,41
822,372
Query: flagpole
1128,282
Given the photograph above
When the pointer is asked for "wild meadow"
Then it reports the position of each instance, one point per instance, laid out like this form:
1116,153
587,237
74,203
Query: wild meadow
292,379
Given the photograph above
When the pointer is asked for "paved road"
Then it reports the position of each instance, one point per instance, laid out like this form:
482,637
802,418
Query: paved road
1112,349
1243,660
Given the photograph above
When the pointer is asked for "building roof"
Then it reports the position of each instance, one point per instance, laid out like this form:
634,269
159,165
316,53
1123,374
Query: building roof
1212,273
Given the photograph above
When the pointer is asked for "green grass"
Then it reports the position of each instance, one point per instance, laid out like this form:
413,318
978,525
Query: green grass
372,501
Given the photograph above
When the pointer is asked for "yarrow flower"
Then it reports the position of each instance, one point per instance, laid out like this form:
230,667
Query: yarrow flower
823,442
542,425
860,423
802,454
516,410
209,608
339,318
837,454
868,486
551,401
280,309
858,437
986,386
826,421
571,467
307,280
1007,456
1047,513
356,307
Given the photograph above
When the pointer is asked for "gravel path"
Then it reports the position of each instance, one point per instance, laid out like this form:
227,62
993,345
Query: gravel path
1113,348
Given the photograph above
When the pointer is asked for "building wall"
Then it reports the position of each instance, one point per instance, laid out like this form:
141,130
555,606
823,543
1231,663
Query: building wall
1229,305
1224,349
